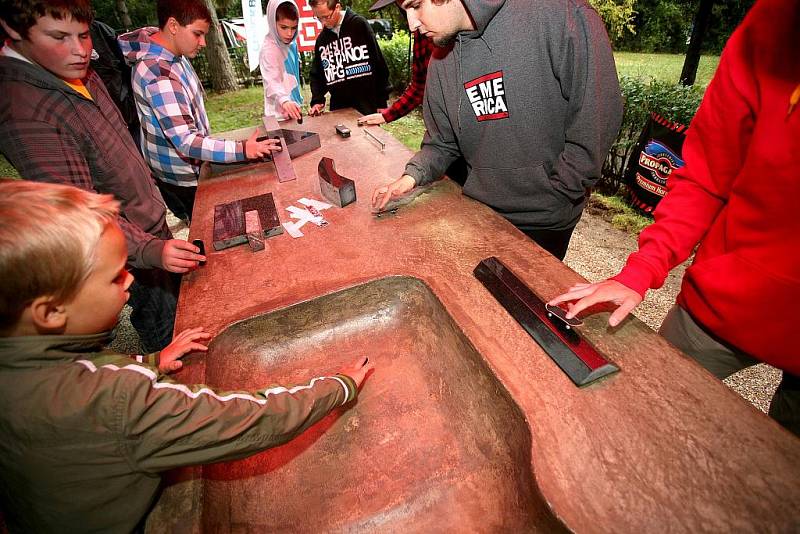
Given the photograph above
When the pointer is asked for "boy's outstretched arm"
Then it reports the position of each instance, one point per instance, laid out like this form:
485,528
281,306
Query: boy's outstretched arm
168,425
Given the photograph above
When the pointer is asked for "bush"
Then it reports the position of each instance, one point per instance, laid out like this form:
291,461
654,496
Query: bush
675,102
396,52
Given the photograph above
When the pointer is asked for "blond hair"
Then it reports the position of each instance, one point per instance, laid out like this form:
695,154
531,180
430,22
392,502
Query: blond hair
48,240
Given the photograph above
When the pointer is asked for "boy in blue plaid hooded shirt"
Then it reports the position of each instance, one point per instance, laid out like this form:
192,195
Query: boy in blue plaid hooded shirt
169,99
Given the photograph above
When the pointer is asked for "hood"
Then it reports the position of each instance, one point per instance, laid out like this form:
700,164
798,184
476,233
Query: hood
482,12
272,8
138,45
40,351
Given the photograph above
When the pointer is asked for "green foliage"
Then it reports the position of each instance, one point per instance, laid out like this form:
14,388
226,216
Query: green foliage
142,13
672,101
617,15
395,52
665,26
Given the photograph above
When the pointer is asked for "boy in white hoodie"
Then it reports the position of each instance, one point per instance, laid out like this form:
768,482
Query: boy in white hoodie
280,62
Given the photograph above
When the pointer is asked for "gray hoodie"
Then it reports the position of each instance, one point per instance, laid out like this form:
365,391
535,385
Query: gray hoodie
532,101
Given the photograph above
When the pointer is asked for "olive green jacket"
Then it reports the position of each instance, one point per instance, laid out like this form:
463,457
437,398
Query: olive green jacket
84,433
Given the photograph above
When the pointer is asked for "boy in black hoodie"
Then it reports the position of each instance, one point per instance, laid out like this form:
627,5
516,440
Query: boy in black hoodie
347,62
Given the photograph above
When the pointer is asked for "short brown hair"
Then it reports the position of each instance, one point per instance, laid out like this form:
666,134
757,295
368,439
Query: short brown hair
48,241
21,15
184,11
330,3
286,11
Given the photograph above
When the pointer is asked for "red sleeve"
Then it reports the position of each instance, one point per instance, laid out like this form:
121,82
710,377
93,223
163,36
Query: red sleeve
412,96
713,152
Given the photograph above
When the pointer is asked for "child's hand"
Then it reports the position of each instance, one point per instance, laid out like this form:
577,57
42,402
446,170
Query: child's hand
359,370
316,109
292,110
184,343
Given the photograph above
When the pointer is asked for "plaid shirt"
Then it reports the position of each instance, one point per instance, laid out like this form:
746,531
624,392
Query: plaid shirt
169,99
412,96
51,133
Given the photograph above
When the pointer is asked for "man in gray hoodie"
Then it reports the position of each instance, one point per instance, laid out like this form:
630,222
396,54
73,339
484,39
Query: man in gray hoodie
528,94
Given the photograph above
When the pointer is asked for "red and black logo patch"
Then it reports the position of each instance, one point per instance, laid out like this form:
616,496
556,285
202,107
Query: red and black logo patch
487,96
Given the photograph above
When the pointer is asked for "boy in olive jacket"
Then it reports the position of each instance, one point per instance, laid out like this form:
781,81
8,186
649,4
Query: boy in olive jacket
86,432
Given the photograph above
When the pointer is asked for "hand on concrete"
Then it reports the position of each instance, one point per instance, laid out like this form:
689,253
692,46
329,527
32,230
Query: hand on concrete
255,149
179,256
375,118
292,110
359,370
316,109
382,195
184,343
607,291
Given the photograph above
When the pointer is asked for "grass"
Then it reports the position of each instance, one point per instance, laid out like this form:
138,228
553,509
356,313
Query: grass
615,210
408,130
664,67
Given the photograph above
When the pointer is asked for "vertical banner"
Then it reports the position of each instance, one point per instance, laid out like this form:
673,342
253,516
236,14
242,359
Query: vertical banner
255,27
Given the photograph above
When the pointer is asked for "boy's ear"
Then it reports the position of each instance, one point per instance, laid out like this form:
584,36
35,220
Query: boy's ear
48,315
172,25
11,32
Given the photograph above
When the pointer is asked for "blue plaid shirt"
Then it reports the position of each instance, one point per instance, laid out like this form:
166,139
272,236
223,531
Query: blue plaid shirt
169,99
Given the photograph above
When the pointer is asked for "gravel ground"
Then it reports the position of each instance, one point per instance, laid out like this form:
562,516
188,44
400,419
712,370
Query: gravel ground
597,251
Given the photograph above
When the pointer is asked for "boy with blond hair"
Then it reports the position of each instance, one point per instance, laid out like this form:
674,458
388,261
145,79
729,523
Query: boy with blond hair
86,432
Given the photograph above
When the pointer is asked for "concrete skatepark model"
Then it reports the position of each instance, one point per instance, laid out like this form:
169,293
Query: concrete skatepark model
466,425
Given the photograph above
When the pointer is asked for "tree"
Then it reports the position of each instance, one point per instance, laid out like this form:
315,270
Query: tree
617,15
125,18
220,68
699,27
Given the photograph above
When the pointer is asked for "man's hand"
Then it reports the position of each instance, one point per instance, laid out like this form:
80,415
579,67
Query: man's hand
359,370
316,109
179,256
184,343
375,118
382,195
607,291
292,110
255,149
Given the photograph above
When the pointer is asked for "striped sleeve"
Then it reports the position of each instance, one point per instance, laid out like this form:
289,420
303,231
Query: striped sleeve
166,425
171,107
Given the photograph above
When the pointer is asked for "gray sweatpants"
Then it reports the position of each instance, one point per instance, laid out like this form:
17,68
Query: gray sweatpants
682,331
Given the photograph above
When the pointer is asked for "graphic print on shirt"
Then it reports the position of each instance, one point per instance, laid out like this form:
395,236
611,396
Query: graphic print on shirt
487,96
342,61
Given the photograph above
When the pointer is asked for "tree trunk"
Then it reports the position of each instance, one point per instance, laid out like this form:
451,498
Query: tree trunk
125,18
699,28
220,68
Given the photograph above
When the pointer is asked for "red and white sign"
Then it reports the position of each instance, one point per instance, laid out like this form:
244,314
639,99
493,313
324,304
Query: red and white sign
309,27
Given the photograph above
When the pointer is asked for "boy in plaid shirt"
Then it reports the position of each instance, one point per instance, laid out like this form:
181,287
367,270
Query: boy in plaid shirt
169,99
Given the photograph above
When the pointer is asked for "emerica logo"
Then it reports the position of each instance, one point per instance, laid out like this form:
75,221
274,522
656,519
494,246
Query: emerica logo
487,95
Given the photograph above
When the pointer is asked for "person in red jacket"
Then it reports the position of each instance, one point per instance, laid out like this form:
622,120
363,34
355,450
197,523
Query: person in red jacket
737,197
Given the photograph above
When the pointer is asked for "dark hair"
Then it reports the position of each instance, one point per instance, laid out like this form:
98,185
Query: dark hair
330,3
184,11
21,15
286,10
